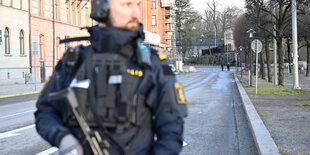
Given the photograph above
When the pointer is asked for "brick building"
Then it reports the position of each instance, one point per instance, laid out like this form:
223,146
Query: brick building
157,17
69,17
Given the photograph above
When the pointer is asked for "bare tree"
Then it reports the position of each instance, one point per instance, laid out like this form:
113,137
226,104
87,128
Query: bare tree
241,26
304,32
282,19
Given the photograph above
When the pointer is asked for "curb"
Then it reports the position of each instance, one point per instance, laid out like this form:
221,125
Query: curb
264,143
13,95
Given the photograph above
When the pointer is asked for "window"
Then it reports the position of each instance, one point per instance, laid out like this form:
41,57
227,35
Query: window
41,48
57,9
41,7
7,40
68,12
67,44
58,54
153,20
86,16
10,2
0,36
153,4
78,16
0,1
228,47
21,4
22,42
73,14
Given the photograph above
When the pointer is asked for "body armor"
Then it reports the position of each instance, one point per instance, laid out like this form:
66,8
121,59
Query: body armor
112,99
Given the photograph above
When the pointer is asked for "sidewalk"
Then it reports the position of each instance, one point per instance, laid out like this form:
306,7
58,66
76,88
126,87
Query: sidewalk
19,89
287,122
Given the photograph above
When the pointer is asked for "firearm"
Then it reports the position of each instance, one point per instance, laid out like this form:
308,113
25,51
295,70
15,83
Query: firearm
92,136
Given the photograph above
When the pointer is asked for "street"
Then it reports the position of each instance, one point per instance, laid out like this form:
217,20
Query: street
216,123
17,130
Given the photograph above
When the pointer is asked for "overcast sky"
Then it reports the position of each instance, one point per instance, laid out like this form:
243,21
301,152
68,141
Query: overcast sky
200,5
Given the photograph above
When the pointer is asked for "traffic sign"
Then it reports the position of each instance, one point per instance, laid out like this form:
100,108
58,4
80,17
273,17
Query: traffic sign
257,45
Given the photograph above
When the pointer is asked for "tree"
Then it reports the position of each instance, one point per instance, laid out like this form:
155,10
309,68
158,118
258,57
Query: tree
241,37
184,19
281,18
304,32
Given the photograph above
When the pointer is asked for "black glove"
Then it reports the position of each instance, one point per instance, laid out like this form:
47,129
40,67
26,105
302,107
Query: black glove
69,145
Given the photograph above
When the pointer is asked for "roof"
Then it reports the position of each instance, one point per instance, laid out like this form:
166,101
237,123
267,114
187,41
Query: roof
205,42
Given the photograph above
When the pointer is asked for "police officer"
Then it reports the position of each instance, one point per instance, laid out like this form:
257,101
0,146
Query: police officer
126,91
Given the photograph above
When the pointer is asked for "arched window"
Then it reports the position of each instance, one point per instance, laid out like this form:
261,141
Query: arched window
22,42
7,40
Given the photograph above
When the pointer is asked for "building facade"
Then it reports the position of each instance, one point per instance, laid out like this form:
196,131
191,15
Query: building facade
157,17
229,39
170,24
48,27
14,41
229,46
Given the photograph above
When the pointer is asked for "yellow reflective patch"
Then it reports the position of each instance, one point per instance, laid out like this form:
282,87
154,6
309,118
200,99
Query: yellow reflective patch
134,72
162,56
179,93
44,87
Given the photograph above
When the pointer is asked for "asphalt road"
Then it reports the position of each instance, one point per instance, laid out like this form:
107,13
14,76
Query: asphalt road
17,130
216,123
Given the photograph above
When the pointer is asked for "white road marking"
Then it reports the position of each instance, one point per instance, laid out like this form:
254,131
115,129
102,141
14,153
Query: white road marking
48,151
14,132
18,114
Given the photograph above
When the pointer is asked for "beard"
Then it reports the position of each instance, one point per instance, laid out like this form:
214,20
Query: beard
132,25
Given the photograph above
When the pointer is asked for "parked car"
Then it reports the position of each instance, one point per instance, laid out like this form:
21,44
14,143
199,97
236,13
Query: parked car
172,67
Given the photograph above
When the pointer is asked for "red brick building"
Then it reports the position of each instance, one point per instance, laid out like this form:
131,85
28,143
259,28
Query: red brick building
157,17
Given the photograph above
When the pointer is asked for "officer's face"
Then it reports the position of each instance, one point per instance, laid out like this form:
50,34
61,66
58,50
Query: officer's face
125,14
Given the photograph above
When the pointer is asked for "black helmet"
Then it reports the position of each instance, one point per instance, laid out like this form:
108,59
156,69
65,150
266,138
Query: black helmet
99,10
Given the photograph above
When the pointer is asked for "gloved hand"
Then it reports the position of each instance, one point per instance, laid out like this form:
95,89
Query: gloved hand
69,145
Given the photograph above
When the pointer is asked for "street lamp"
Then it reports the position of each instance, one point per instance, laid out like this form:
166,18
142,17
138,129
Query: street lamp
251,33
240,62
201,39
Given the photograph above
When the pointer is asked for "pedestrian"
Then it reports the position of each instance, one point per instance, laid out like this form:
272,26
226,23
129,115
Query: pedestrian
128,95
228,66
222,67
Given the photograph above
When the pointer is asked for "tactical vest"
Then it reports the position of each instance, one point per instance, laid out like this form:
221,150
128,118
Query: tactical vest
110,96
